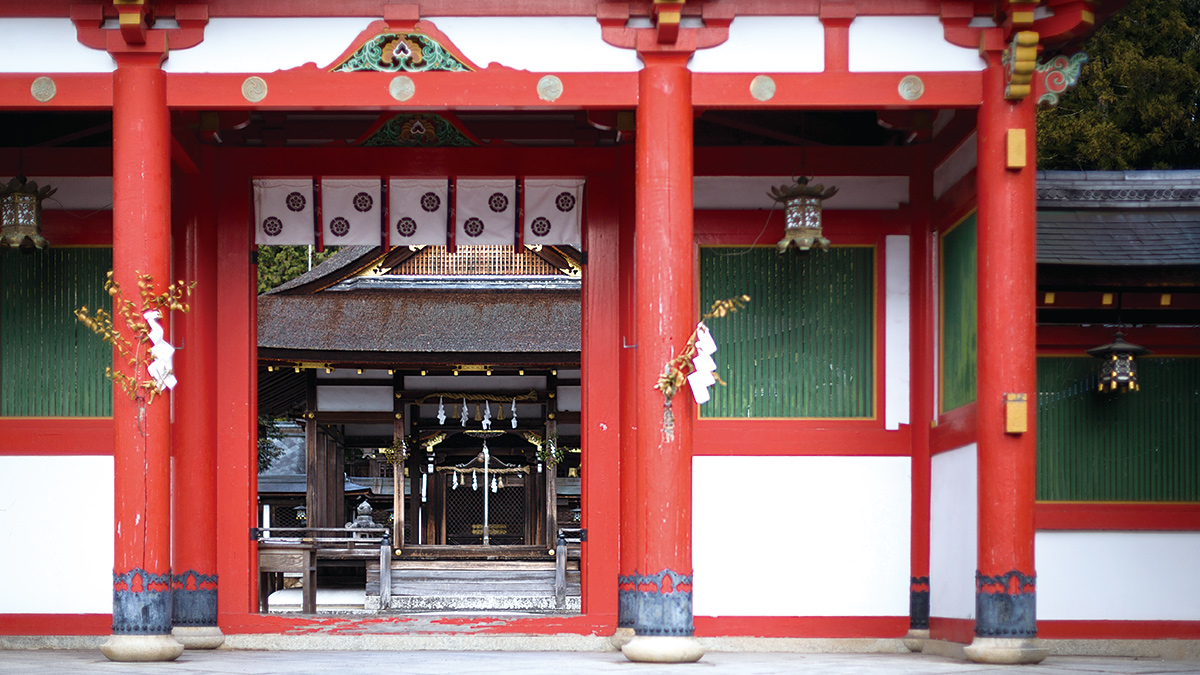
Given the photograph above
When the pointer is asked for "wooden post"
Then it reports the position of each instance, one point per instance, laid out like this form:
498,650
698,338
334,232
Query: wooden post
551,468
141,430
398,487
1005,596
665,315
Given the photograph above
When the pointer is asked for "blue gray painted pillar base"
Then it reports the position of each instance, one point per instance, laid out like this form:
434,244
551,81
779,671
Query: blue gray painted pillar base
141,618
1006,620
918,614
194,610
662,607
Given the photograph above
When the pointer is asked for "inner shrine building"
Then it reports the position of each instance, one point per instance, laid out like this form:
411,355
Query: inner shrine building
830,206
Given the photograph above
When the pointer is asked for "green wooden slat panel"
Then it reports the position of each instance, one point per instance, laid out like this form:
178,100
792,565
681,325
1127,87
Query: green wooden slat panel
959,315
1138,446
50,364
803,347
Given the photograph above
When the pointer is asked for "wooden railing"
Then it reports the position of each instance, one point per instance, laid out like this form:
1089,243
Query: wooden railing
296,549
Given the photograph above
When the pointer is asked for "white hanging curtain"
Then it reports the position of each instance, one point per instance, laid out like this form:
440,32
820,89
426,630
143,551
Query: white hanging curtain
283,211
350,211
485,212
417,211
553,211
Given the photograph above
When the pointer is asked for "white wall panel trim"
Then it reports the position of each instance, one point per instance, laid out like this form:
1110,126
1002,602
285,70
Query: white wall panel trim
953,533
897,356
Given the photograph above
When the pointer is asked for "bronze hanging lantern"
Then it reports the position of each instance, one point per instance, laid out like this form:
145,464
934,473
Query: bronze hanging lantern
1119,370
802,214
21,214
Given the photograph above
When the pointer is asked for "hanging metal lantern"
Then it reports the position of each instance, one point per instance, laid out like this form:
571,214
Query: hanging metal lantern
802,214
1119,370
21,214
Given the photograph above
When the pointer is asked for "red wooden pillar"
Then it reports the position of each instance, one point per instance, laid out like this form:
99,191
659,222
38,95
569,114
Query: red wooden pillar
922,348
630,512
142,441
1005,600
194,583
665,316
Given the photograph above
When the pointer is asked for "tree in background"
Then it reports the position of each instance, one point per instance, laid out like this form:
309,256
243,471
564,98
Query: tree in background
279,264
1137,105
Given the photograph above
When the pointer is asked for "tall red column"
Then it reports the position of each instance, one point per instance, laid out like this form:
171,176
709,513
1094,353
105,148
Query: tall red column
630,513
194,582
142,442
1005,599
665,316
922,348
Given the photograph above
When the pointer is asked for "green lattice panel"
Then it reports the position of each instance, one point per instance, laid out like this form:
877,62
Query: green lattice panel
1137,446
50,364
804,346
959,315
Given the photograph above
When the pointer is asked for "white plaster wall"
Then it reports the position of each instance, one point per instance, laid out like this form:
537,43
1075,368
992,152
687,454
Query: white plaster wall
56,525
555,44
957,165
766,44
351,398
801,536
258,45
1131,576
891,44
953,533
867,193
47,46
570,398
895,332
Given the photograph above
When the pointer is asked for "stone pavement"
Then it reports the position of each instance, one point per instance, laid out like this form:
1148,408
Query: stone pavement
55,662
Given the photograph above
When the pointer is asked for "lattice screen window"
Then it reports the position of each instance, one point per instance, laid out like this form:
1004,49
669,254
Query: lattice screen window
804,346
959,324
468,260
1109,446
51,365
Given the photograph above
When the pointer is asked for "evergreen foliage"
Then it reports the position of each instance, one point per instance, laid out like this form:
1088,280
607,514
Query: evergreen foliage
279,264
1137,105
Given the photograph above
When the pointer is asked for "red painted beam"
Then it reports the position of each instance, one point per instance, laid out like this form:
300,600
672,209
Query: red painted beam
75,91
802,626
1135,516
800,438
955,429
311,88
56,436
837,90
1119,630
55,624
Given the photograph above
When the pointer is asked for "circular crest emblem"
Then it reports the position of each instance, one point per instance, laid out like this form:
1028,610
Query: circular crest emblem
363,202
565,201
339,227
497,202
272,226
296,201
407,227
430,202
473,227
540,226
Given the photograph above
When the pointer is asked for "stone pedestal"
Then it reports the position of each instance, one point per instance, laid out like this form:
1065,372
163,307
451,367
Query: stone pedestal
198,637
141,648
1006,650
663,649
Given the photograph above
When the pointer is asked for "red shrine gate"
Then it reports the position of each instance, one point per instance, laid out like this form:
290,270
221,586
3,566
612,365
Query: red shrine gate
678,115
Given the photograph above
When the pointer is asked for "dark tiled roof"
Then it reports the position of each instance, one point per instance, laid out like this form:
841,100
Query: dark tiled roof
1119,218
422,321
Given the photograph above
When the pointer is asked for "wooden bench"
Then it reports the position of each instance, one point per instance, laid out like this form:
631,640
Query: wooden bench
274,560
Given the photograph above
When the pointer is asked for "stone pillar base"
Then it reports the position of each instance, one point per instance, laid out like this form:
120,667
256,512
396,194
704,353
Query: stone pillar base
141,648
621,637
663,649
915,639
198,637
1006,650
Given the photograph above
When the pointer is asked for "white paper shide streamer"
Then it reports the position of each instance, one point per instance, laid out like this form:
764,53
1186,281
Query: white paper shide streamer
162,368
702,377
441,415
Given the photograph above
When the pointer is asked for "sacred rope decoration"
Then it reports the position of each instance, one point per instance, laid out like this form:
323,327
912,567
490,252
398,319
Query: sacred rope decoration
140,327
694,363
482,414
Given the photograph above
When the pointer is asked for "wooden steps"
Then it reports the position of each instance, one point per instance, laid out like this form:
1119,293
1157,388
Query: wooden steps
474,585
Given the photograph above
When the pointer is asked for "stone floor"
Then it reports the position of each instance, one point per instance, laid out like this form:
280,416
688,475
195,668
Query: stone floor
54,662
